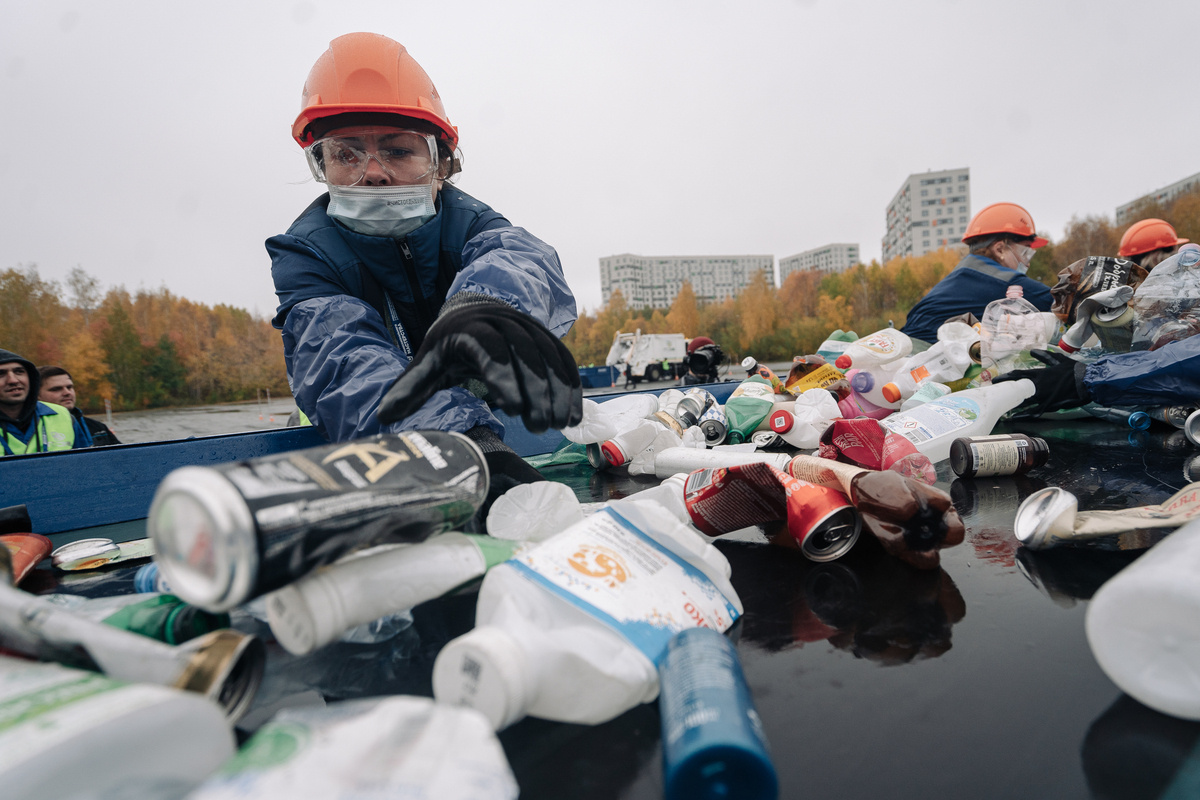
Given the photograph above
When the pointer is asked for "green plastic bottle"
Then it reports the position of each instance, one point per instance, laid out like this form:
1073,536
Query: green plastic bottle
747,407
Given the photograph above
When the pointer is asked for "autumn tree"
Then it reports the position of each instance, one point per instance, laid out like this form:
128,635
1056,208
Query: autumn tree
684,316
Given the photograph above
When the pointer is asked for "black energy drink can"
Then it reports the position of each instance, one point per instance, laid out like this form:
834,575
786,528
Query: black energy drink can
227,534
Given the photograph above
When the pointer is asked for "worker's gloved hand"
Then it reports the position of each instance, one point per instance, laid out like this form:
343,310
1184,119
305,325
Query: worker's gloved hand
1058,385
528,371
1081,331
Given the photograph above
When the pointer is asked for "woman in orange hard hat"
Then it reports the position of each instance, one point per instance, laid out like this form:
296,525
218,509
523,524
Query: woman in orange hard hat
396,289
1148,242
1001,241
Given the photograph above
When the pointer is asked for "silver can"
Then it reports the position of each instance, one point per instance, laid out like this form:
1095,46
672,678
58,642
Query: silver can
226,534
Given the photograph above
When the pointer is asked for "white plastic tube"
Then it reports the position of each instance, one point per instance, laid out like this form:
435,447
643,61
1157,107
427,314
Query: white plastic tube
689,459
1144,626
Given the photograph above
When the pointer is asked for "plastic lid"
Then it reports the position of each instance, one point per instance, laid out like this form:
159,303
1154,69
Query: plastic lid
1140,420
612,453
781,420
85,554
485,670
891,392
843,361
862,382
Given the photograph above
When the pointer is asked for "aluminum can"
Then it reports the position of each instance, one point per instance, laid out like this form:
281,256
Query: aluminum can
822,520
227,534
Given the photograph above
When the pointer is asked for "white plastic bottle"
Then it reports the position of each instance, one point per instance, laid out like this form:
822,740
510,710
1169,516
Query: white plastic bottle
880,347
547,642
689,459
71,733
1144,626
872,383
321,606
972,412
603,421
926,391
1009,327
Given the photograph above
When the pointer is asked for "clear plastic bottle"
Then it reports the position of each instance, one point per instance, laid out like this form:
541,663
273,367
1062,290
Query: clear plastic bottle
1010,326
564,632
932,427
881,347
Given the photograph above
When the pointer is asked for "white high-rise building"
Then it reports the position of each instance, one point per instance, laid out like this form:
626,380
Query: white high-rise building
830,258
930,211
1164,195
653,281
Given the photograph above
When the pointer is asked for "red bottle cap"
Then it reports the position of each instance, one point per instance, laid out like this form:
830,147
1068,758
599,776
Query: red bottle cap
612,452
782,420
891,392
843,361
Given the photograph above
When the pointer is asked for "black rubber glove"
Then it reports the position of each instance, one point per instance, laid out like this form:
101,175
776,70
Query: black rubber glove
506,469
528,372
1059,385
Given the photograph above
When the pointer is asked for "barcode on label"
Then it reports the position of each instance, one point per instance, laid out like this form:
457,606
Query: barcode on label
916,435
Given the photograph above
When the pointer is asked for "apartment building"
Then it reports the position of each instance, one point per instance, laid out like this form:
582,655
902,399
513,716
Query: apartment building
654,281
1125,213
929,211
835,257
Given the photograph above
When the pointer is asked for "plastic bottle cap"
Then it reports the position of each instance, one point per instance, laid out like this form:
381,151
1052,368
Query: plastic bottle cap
782,420
891,392
862,382
843,361
612,452
484,669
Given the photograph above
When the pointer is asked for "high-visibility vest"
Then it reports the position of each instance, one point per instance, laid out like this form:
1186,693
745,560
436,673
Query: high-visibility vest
54,431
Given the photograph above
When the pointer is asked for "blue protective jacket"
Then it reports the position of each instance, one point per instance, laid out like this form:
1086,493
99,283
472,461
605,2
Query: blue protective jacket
354,309
970,286
1167,376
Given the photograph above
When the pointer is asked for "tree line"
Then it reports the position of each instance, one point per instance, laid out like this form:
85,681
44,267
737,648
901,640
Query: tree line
138,350
774,324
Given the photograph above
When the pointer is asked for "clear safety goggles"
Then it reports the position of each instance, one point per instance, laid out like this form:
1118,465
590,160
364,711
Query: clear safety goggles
407,157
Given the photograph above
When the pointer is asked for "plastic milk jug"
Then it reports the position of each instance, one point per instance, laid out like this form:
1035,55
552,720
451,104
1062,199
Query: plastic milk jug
572,629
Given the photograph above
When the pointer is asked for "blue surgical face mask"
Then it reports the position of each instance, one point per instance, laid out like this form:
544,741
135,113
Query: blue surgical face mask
1024,255
393,211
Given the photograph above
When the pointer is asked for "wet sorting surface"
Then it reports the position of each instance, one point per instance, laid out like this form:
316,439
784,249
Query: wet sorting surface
872,678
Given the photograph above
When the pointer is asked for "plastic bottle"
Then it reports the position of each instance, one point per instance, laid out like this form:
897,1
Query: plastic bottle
1137,420
836,344
323,605
783,423
1144,625
853,405
752,367
872,383
376,747
880,347
926,391
603,421
713,740
160,616
747,407
547,642
932,427
1010,326
77,733
688,459
622,448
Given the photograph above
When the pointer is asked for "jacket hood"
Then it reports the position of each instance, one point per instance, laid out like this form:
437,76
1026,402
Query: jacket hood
35,384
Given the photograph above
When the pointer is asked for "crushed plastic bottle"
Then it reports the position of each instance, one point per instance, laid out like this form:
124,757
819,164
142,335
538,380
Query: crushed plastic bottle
564,632
1166,306
1010,326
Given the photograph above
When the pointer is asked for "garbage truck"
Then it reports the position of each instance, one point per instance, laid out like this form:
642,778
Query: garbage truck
645,353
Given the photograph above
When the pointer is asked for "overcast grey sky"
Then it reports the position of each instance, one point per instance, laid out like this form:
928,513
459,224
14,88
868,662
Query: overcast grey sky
148,142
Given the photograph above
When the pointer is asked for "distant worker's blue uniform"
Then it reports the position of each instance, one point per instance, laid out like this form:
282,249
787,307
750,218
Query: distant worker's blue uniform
970,286
354,309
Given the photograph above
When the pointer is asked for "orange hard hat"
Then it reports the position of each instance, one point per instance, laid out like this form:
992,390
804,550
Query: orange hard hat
1004,218
1147,235
366,73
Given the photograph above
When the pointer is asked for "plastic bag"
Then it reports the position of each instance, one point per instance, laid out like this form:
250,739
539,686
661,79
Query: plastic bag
1166,305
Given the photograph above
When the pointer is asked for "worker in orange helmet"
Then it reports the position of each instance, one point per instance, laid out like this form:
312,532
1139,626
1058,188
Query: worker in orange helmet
1001,240
403,301
1148,242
